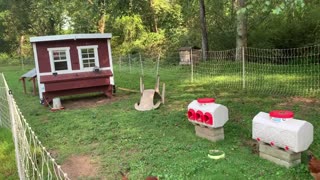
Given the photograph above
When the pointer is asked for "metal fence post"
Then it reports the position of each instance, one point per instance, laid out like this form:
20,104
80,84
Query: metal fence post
191,61
120,62
22,63
141,65
243,70
129,63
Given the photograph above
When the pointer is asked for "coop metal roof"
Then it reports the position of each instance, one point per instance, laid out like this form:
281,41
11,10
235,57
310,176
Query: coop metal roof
70,36
30,74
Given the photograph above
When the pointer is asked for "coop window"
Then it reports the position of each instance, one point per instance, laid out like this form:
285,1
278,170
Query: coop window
59,59
88,56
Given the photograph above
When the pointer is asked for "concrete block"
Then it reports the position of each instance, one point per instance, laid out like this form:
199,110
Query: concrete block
212,134
279,156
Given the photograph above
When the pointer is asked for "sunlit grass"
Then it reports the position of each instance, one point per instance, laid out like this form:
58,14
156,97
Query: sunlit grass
8,168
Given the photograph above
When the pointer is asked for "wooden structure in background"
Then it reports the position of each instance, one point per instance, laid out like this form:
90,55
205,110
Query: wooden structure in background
73,64
188,54
32,75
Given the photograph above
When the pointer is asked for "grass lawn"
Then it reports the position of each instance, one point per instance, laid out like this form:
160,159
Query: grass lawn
8,168
162,142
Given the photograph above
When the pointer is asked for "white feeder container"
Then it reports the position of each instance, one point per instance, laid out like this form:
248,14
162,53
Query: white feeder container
56,103
206,112
278,128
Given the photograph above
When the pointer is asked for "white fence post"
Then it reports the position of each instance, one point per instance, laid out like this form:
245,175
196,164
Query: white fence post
129,63
191,61
158,61
243,69
141,65
120,63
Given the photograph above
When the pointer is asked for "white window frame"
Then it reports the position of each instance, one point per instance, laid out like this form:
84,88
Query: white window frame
96,57
67,49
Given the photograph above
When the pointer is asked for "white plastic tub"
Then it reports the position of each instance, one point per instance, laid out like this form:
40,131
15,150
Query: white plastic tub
205,111
278,128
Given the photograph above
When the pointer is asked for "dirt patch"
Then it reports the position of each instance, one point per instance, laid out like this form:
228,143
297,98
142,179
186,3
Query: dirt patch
304,104
300,100
253,145
54,153
80,166
90,101
305,100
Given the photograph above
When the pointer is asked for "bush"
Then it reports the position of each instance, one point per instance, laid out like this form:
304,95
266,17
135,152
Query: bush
6,59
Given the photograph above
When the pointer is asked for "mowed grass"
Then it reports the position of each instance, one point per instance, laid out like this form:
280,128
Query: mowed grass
162,142
8,168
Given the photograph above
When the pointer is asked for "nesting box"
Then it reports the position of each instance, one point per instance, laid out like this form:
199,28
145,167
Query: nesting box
278,128
206,112
189,54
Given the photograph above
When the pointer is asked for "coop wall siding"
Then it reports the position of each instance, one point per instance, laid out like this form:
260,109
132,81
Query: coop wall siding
77,84
44,60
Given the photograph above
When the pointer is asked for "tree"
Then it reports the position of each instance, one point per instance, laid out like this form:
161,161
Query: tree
203,30
241,24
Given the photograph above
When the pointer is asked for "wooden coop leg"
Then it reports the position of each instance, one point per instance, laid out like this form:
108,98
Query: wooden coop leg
24,85
33,85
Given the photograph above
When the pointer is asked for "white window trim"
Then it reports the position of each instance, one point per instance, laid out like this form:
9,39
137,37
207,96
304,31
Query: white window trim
67,49
96,56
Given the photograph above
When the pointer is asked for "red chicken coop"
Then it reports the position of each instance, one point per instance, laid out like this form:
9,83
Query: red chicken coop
73,64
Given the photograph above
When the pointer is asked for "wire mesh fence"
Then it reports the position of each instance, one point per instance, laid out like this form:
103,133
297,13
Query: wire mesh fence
274,71
220,69
6,60
4,106
138,65
284,71
33,159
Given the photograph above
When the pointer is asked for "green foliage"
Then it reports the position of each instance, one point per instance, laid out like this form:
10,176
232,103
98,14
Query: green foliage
291,28
83,16
151,25
7,59
133,37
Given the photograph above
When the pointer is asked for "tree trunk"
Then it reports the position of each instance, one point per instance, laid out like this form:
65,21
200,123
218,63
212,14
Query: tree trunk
102,20
101,23
21,42
241,22
21,50
154,17
204,30
52,20
52,24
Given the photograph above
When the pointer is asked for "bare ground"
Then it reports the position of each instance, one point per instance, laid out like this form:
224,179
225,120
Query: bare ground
301,100
80,166
90,101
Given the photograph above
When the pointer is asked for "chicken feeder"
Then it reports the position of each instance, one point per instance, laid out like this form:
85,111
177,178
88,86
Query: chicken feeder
208,118
278,128
206,112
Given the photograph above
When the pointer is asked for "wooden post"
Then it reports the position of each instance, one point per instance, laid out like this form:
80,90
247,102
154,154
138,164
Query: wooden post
24,85
34,85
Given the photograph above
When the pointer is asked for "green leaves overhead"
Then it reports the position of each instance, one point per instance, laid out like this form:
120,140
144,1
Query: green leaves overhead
151,25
